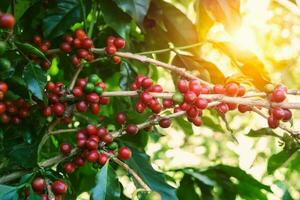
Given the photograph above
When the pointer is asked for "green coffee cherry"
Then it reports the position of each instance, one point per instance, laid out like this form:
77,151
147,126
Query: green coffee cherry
153,196
94,78
3,47
89,87
98,90
4,64
178,98
113,146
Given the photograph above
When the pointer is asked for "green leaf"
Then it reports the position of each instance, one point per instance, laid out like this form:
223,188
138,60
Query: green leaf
127,75
30,49
34,196
64,14
140,163
184,125
137,9
186,189
8,193
24,155
115,17
277,160
224,11
108,186
261,132
36,79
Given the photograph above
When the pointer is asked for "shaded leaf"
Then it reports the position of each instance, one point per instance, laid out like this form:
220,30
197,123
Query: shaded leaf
261,132
35,79
24,155
127,75
30,49
8,193
186,189
277,160
155,180
108,186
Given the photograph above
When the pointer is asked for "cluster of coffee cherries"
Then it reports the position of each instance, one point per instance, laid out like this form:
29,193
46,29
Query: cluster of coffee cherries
44,46
112,45
39,186
89,91
91,141
144,85
79,45
7,21
13,111
277,114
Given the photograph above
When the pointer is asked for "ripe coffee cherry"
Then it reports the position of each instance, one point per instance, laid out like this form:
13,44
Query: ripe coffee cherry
58,109
243,108
273,123
185,106
80,34
81,143
124,153
69,167
104,100
107,138
59,187
65,47
81,106
242,91
44,48
45,64
7,21
110,50
77,43
2,108
44,196
121,118
147,83
92,156
201,103
38,184
91,144
165,122
82,53
37,40
95,108
87,43
232,106
58,197
102,158
189,97
192,112
183,86
50,86
65,148
278,96
16,120
3,87
278,113
146,97
132,129
287,115
101,132
232,89
77,91
223,108
195,87
116,59
91,129
79,161
140,107
119,43
68,39
219,89
197,121
168,103
93,98
110,40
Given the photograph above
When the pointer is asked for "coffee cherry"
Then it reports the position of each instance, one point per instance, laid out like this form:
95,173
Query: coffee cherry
91,129
140,106
65,148
68,39
197,121
223,108
7,21
121,118
81,143
242,91
44,196
38,184
104,100
79,161
58,109
273,123
65,47
87,43
232,106
58,197
92,156
124,153
110,40
37,40
82,53
119,43
81,106
201,103
278,96
77,43
168,103
165,122
195,87
156,88
93,98
69,167
102,158
219,89
101,132
189,97
183,86
80,34
89,87
59,187
110,50
147,83
132,129
287,115
232,89
192,112
145,97
2,108
278,113
116,59
3,87
243,108
185,106
95,108
77,91
91,144
5,119
44,48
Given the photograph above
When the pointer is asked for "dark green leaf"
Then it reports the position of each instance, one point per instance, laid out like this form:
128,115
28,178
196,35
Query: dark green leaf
155,180
24,155
35,79
25,178
108,186
137,9
186,189
34,196
261,132
30,49
127,75
8,193
63,16
277,160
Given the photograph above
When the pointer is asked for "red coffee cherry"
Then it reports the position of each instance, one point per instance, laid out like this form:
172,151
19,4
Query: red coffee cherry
219,89
242,91
195,87
44,196
65,148
101,132
232,106
124,153
107,138
69,167
81,143
81,106
183,86
2,108
104,100
111,49
110,40
80,34
44,48
77,43
81,82
59,187
132,129
93,98
147,83
91,144
3,87
37,40
79,161
146,97
192,112
65,47
102,158
278,95
87,43
232,89
119,43
82,53
243,108
45,64
189,97
223,108
77,91
116,59
68,39
7,21
185,106
95,108
58,109
156,88
92,156
121,118
165,122
91,129
197,121
201,103
168,103
273,123
278,113
140,106
38,184
5,119
287,115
